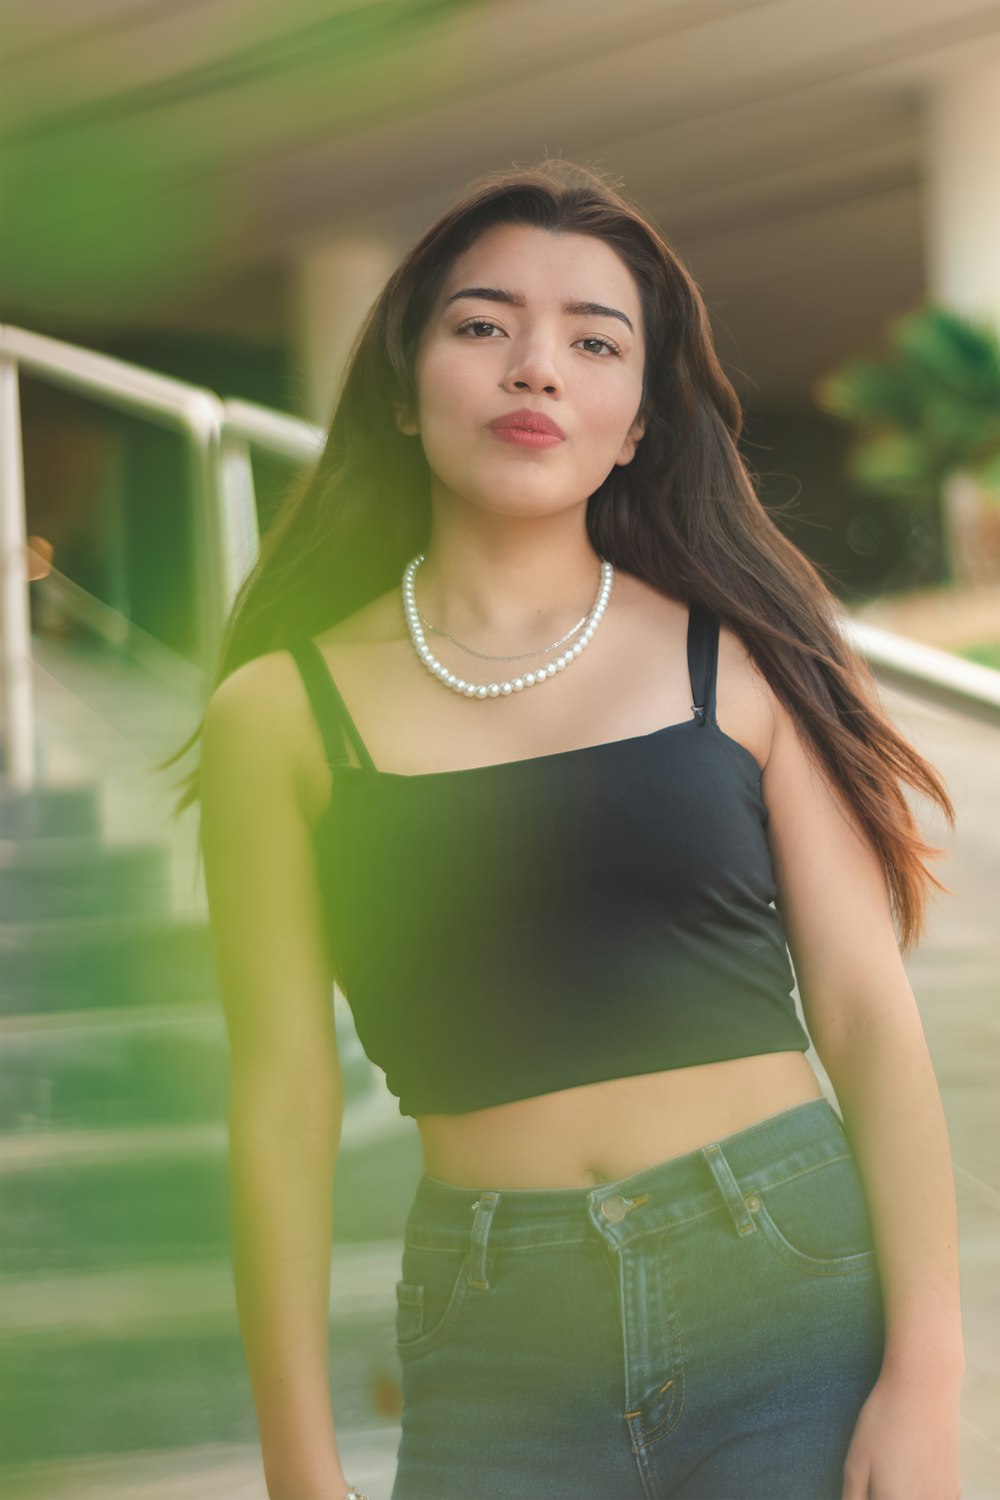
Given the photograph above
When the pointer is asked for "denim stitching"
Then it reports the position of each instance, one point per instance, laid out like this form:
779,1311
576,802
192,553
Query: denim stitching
717,1207
647,1433
535,1245
427,1340
809,1265
814,1167
655,1229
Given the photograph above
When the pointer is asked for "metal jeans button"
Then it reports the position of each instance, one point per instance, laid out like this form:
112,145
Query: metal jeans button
614,1208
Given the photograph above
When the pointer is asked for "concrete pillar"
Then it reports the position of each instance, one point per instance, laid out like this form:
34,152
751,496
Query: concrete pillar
962,208
962,198
336,280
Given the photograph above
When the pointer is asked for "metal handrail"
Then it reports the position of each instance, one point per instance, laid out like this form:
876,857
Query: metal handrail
275,432
939,676
220,435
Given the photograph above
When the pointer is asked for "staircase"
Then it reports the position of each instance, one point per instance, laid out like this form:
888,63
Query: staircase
121,1344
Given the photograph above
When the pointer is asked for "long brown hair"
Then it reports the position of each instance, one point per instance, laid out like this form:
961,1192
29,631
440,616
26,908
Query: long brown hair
684,515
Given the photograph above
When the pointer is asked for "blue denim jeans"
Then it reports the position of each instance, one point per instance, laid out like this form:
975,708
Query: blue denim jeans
707,1327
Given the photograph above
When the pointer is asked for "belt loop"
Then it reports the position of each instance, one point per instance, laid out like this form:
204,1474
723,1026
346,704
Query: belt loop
729,1188
485,1207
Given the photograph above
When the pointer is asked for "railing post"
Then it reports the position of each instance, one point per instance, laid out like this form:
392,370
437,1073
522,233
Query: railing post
239,512
203,436
16,698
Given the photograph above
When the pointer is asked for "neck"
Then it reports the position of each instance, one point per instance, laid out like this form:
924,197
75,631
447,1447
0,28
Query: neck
505,598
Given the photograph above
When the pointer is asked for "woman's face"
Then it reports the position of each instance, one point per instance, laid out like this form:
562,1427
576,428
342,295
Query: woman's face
482,357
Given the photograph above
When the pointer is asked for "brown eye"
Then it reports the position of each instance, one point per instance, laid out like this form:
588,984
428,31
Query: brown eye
594,339
475,323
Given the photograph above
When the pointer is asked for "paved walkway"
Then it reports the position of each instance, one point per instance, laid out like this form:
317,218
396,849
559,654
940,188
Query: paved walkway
950,619
956,979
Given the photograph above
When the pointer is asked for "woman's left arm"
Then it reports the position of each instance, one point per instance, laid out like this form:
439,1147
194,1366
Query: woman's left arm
863,1019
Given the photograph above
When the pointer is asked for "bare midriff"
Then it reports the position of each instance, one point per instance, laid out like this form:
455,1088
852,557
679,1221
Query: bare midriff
601,1132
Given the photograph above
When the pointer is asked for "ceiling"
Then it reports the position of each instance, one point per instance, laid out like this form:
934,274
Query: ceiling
166,162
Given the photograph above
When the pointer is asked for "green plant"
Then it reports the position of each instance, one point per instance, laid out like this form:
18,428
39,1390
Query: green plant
986,653
928,407
925,411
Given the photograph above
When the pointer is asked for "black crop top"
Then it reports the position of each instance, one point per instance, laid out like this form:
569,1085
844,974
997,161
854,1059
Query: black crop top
509,930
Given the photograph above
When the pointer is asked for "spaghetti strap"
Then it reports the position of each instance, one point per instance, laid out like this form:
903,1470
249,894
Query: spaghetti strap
328,706
703,660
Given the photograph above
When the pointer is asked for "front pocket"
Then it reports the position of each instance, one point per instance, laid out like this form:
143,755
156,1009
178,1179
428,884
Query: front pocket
818,1220
429,1296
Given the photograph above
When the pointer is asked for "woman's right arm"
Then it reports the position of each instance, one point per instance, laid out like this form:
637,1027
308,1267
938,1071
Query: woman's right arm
285,1106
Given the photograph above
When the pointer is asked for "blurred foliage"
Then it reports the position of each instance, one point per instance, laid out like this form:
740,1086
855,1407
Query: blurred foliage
987,654
928,407
132,153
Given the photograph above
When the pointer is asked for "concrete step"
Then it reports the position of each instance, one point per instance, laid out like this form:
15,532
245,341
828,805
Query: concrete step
50,812
50,878
144,1195
172,1300
150,1357
106,960
117,1302
98,1069
211,1471
105,1068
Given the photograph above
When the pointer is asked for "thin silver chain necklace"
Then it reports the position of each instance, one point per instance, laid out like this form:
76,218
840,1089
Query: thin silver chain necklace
488,656
516,684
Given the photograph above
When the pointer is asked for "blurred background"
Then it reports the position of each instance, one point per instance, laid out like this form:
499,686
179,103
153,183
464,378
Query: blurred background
200,200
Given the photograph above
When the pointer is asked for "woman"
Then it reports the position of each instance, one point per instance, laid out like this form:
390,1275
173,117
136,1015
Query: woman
647,1256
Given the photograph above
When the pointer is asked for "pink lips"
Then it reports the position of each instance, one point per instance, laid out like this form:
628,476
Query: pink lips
527,428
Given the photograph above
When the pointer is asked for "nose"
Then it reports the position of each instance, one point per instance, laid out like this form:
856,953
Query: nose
534,370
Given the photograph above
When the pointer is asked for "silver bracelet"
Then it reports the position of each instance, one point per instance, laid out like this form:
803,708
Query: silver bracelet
353,1494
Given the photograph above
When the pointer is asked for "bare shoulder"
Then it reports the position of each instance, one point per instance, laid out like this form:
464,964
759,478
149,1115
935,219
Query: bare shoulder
271,950
265,691
258,727
745,701
746,704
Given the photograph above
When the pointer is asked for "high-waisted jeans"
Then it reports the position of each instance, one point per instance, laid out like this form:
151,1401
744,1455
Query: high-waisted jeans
708,1327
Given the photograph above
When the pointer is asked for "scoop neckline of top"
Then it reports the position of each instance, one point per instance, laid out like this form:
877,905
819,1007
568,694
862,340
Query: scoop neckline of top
576,750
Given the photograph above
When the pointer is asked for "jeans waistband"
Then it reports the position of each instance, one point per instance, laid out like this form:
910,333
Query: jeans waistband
668,1192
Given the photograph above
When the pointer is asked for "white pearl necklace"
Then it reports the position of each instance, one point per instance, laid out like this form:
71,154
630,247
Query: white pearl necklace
515,684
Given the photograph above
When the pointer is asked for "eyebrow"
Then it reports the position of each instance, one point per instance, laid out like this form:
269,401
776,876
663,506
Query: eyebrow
572,309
